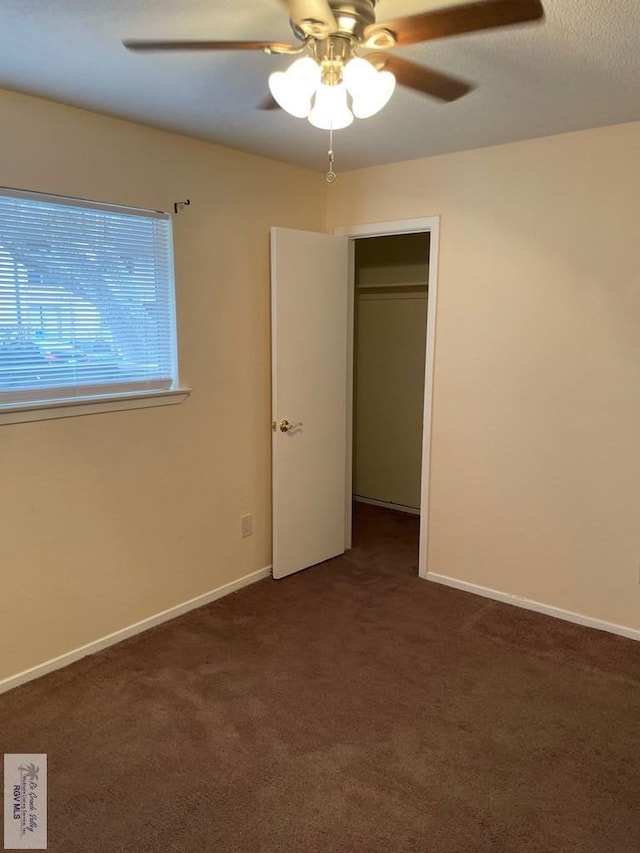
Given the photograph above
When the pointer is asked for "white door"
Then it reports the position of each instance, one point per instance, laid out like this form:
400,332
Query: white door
309,301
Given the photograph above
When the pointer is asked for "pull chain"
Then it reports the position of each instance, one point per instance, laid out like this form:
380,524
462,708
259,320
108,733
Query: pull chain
331,175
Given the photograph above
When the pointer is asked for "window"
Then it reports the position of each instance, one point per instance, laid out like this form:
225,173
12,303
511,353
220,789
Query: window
87,306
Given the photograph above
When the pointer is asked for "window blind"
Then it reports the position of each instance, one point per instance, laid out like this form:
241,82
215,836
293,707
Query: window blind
87,305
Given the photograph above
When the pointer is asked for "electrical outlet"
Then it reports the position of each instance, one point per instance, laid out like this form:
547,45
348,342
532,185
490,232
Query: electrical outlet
246,525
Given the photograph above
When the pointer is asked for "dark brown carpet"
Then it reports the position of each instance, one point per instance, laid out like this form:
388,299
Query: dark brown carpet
352,707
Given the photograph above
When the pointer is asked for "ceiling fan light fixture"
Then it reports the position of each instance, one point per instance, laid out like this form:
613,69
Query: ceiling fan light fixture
331,85
370,90
294,88
330,110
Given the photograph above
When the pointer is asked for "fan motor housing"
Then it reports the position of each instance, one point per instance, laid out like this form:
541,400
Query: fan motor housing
353,17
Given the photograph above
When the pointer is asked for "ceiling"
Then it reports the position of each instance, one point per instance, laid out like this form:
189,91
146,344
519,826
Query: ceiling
579,69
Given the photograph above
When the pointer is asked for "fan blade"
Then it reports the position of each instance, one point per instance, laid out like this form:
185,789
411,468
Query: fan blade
420,78
312,17
456,20
206,45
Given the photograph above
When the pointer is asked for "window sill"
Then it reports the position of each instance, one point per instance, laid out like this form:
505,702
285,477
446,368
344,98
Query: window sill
71,408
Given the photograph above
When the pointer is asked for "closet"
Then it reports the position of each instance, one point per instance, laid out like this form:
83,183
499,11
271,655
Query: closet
391,294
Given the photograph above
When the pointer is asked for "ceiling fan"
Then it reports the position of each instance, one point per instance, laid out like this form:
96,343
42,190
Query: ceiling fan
332,82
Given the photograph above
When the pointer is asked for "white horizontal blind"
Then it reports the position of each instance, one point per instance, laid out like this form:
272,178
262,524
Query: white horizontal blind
86,300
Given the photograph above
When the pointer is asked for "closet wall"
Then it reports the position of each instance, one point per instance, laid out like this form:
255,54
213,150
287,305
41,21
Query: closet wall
389,363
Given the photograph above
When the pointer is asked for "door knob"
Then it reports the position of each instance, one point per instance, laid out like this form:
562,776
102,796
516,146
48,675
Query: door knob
285,426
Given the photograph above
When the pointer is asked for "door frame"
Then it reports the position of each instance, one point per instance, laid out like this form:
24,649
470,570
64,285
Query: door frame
386,229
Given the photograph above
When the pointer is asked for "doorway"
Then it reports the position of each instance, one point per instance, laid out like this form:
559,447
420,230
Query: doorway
392,293
312,316
390,329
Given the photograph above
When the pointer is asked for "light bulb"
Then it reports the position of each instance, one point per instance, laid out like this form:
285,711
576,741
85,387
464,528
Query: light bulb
294,87
330,110
370,90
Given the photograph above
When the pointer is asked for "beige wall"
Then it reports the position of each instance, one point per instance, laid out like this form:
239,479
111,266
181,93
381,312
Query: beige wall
535,484
108,519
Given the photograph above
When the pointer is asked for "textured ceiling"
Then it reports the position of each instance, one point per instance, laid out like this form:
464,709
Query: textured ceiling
579,69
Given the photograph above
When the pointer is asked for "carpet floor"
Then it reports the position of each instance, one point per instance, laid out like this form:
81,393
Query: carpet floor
352,707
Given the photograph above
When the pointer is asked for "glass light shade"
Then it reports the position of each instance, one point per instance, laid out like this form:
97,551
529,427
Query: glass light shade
294,87
330,111
370,90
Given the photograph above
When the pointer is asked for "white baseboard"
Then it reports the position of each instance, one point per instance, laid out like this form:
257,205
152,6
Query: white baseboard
528,604
131,630
412,510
